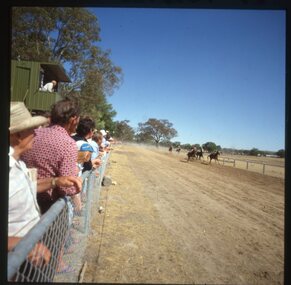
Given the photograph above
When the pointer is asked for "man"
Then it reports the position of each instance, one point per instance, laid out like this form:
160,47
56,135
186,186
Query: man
23,208
50,86
54,152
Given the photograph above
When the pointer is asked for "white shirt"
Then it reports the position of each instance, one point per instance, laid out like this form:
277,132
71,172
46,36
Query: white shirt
23,211
48,87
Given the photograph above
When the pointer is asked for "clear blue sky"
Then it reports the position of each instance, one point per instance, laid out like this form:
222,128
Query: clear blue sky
217,75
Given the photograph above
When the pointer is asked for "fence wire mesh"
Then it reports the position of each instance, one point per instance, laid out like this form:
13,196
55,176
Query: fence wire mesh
63,233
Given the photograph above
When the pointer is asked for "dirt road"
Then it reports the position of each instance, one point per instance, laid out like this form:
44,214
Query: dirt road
168,221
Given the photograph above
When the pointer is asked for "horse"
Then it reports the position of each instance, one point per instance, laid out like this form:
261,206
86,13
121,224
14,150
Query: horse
214,155
170,148
178,149
191,153
199,154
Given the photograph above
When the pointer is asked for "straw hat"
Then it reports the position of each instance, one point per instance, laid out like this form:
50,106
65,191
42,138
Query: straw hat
21,119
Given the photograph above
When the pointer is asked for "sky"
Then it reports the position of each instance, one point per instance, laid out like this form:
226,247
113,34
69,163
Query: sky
216,75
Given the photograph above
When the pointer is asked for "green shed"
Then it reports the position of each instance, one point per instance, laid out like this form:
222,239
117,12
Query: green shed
27,80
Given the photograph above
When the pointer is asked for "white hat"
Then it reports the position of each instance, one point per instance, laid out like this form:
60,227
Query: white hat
103,132
84,146
21,119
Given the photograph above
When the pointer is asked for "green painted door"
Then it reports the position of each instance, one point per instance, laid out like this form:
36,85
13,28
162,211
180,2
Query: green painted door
21,84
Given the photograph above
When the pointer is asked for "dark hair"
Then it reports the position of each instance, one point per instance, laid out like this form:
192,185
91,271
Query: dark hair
86,124
107,136
96,137
63,110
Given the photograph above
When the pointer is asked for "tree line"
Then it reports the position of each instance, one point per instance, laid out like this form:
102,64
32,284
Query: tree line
160,132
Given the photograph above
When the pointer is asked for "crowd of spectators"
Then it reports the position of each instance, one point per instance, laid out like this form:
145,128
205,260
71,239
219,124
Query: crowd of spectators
47,158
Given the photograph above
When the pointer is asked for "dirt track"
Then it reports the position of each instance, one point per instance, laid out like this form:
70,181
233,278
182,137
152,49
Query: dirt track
168,221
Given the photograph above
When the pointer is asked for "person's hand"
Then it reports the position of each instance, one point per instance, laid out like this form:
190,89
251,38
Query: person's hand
66,181
96,162
39,255
77,203
101,153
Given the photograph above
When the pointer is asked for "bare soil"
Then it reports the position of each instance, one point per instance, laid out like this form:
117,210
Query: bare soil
169,221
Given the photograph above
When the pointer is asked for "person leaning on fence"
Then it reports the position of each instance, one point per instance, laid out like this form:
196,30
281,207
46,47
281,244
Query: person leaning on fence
23,213
96,143
105,142
85,151
50,86
84,132
100,144
54,152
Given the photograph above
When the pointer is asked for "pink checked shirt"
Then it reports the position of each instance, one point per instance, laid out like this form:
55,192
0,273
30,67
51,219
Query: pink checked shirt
54,153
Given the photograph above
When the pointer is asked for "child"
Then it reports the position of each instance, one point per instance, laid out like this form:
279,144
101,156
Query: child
85,151
84,154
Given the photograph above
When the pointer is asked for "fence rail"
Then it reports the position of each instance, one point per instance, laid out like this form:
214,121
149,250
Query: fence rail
248,163
58,229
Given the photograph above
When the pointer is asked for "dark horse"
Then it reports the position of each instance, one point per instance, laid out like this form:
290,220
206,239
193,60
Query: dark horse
214,155
178,149
191,153
199,154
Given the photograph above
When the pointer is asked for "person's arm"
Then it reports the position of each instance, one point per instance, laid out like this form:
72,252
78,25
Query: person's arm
96,162
77,203
67,167
12,242
37,256
45,184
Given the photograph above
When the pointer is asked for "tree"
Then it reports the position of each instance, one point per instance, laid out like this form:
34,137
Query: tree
69,36
254,151
143,138
157,130
186,146
209,146
197,145
176,144
281,153
123,131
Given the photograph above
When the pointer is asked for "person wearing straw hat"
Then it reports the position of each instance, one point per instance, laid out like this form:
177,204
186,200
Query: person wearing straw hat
23,207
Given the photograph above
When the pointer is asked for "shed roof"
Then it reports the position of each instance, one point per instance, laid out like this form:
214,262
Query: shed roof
58,71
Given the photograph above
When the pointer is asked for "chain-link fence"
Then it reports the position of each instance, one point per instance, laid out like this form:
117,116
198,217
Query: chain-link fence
52,251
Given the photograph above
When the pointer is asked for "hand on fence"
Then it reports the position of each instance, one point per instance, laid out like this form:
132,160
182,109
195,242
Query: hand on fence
39,255
101,153
66,181
77,203
96,162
